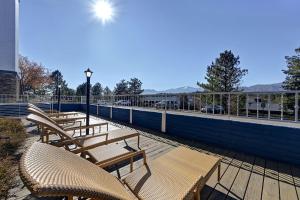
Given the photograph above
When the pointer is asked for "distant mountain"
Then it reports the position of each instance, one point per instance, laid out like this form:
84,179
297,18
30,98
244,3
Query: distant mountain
264,88
187,89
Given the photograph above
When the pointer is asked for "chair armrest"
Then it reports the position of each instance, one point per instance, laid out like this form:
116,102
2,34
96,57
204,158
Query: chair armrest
124,157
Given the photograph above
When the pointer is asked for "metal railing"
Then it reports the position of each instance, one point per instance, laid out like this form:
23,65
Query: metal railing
283,106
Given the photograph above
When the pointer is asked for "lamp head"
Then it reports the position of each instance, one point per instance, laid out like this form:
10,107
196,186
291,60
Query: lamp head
88,73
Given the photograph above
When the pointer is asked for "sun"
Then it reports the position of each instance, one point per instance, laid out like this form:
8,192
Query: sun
103,10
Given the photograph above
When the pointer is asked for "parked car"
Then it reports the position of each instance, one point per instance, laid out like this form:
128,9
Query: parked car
210,108
166,104
123,103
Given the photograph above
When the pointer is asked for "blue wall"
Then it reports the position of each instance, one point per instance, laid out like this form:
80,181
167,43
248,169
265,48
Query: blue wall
67,107
274,142
121,114
13,110
104,111
145,119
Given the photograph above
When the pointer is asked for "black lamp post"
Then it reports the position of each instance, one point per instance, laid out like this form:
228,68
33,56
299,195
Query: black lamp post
88,74
58,98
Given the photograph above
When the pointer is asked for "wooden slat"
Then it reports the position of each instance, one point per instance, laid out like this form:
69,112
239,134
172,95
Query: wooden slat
212,182
286,182
240,184
271,187
221,190
255,185
296,177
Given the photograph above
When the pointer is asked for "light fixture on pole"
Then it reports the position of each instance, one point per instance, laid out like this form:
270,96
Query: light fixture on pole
58,98
88,74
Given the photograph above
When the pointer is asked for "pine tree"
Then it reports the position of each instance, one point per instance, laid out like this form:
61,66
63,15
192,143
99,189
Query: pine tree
135,86
224,75
292,80
121,88
97,89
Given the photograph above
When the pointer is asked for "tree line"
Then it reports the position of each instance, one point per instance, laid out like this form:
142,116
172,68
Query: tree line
224,74
35,78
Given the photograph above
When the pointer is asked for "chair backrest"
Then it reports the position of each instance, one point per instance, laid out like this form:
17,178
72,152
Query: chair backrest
41,114
51,171
30,105
52,126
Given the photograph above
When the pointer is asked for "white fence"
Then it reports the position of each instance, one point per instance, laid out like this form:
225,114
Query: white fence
260,105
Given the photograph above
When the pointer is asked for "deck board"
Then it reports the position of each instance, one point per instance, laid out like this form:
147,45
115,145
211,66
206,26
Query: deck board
255,185
271,184
243,176
239,186
286,182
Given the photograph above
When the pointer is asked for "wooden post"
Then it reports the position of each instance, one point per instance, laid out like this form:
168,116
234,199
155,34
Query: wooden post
163,121
281,110
269,106
296,106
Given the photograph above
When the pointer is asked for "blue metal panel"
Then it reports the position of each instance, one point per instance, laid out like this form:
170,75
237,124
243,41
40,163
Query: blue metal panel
120,114
104,111
274,142
150,120
13,110
68,107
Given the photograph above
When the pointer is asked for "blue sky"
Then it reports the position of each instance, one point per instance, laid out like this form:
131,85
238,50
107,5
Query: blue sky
165,43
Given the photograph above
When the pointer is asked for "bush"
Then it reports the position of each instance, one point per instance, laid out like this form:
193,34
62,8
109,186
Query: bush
12,134
7,176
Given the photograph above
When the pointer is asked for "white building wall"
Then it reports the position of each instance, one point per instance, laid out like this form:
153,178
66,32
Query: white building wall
9,39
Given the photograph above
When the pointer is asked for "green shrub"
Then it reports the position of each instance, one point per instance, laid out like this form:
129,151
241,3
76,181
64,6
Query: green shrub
8,172
15,132
12,135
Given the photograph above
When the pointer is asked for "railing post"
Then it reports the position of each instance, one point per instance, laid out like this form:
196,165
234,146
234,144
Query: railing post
200,103
229,99
213,104
206,103
163,121
221,103
194,103
247,105
257,111
269,106
281,107
182,103
237,104
130,115
296,106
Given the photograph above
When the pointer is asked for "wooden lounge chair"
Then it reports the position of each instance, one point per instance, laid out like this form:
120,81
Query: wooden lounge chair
61,120
85,143
67,127
179,174
55,114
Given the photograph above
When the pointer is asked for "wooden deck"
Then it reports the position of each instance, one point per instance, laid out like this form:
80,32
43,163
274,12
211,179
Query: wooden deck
242,176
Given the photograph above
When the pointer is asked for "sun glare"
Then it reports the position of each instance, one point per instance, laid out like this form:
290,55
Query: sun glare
103,10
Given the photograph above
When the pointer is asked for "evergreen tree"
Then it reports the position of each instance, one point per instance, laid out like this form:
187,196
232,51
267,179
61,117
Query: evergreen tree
292,80
224,75
135,86
107,91
97,89
58,79
121,88
81,89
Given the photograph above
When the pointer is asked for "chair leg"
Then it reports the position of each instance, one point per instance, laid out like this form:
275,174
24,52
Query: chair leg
219,172
138,143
